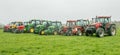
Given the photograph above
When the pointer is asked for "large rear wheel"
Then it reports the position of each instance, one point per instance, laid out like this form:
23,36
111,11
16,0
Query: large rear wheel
112,30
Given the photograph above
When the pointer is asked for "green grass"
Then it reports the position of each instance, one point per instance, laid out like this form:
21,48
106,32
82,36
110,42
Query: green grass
33,44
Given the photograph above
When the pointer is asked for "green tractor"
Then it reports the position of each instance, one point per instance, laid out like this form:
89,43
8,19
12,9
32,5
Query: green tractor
26,24
54,28
102,26
31,26
39,29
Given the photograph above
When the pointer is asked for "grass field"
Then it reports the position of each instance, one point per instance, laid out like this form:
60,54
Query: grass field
33,44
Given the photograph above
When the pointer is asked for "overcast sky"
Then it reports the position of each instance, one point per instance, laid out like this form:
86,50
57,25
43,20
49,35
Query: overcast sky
24,10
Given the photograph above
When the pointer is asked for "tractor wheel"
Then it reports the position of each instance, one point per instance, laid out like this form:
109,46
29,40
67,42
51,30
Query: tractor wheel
31,30
79,33
112,30
22,31
69,33
100,32
88,32
42,32
55,33
15,31
35,32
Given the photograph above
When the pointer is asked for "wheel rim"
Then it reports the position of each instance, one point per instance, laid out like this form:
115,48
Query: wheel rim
42,32
79,33
31,30
113,31
101,33
55,33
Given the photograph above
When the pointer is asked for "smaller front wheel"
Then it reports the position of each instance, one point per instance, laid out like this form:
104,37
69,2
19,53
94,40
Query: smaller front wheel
79,33
31,30
100,32
55,33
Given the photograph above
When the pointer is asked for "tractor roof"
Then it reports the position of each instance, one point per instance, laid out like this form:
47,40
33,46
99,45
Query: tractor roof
71,20
83,19
103,16
56,21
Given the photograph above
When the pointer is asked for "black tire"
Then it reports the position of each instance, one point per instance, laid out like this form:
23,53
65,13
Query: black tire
12,30
100,32
16,31
35,32
69,33
79,33
89,32
112,30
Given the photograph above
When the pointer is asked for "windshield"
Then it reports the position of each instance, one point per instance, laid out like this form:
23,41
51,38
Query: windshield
25,23
44,23
59,24
71,24
54,24
103,20
80,23
32,22
37,22
86,22
19,23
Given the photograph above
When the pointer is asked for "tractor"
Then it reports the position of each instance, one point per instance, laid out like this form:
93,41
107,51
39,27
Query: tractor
54,29
39,29
18,27
26,24
8,26
101,26
78,28
66,30
31,26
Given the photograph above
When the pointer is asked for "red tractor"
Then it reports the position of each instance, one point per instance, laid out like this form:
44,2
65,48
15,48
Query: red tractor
101,26
76,28
8,26
66,30
79,28
18,27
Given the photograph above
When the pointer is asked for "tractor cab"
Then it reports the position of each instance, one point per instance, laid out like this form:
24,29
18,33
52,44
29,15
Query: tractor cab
102,21
56,24
82,22
26,23
35,22
71,23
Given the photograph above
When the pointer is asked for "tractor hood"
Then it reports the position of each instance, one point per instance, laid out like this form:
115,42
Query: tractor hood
51,27
96,25
65,27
